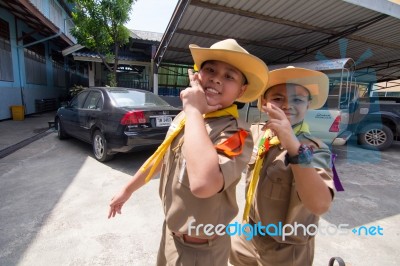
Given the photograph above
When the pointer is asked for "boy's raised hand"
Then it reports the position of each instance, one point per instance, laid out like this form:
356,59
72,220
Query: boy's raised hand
193,97
281,126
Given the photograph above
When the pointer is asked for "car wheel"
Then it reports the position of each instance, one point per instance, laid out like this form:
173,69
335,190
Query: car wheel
60,130
100,150
376,136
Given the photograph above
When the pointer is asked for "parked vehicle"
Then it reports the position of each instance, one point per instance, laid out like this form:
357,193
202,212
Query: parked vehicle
375,121
115,120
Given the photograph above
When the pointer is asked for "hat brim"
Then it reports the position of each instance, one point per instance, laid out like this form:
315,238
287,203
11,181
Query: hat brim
253,68
317,83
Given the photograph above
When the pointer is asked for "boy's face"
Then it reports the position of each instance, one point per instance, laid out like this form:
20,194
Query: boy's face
222,83
293,99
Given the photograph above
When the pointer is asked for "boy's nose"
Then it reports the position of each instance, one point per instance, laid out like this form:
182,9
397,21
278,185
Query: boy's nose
216,79
286,105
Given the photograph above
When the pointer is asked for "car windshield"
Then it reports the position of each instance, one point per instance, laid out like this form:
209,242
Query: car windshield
132,98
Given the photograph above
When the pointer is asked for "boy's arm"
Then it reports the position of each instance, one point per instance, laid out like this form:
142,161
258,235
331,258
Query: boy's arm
202,161
311,188
136,182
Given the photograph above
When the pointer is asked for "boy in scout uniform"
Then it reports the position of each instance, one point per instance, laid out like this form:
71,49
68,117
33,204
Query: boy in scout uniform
201,160
289,178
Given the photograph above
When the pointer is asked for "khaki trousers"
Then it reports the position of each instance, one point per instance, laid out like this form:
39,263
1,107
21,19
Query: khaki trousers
265,251
174,251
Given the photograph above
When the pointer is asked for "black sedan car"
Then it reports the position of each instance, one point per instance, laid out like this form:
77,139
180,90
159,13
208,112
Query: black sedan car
115,120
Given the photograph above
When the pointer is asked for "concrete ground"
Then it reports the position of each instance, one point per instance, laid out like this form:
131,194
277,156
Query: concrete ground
54,200
19,132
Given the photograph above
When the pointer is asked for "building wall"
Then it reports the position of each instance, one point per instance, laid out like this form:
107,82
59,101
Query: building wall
19,91
10,90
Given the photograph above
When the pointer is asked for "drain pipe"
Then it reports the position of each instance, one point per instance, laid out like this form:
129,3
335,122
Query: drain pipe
19,67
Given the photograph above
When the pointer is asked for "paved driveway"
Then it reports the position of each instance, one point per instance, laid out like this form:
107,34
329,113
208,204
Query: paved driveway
54,201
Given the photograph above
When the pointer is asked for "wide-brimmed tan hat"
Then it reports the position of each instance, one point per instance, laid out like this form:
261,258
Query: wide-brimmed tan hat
317,83
230,52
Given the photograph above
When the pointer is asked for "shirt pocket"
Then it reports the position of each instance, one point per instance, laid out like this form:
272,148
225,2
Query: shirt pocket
278,182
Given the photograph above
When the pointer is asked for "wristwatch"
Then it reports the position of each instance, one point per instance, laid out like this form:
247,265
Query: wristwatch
304,156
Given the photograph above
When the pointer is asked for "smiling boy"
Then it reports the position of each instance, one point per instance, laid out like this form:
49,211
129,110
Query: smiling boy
289,178
206,149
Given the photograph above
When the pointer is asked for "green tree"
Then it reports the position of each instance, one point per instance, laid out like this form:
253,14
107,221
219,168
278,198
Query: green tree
99,26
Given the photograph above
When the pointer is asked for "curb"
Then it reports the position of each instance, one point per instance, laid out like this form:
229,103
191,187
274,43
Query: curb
13,148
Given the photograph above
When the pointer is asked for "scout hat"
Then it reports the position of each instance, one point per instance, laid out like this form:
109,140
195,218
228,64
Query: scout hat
317,83
230,52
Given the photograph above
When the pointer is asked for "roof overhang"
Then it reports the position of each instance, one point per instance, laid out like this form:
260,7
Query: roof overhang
285,32
72,49
120,61
24,10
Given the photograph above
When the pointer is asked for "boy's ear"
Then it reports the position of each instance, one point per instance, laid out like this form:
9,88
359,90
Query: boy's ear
243,88
263,102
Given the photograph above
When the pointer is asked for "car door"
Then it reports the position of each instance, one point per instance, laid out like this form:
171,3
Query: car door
70,118
90,113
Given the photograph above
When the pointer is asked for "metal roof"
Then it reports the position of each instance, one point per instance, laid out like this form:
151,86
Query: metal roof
146,35
282,32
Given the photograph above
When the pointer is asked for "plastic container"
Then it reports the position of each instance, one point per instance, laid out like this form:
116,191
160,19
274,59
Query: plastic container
18,112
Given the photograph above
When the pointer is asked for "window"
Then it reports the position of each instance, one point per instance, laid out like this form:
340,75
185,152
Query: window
132,98
79,99
6,69
35,61
94,101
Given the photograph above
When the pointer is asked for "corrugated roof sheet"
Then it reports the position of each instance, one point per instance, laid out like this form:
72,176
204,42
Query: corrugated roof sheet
146,35
288,31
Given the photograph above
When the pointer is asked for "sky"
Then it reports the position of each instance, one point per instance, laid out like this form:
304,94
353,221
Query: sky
151,15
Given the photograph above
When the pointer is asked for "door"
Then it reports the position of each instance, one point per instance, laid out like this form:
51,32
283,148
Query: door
70,118
90,114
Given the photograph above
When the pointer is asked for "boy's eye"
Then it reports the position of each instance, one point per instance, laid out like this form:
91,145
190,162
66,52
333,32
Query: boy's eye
299,100
277,99
209,69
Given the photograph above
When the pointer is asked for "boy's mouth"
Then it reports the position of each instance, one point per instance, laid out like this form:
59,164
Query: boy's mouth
211,90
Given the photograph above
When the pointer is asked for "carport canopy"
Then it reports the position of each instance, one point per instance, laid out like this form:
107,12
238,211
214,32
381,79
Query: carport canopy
284,32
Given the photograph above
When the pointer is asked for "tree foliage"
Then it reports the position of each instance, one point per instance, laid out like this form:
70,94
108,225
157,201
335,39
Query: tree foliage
99,26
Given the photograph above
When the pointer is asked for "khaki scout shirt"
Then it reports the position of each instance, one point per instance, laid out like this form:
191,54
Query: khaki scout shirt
276,199
180,205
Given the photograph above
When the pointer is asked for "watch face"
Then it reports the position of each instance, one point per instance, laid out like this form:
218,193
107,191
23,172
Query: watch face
305,155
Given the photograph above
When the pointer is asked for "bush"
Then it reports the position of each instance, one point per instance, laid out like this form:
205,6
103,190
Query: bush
74,90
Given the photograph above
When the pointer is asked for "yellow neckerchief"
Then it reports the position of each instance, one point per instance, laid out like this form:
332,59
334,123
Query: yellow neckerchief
265,143
162,149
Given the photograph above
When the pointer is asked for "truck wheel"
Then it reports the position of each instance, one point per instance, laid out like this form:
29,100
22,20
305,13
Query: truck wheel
100,150
375,136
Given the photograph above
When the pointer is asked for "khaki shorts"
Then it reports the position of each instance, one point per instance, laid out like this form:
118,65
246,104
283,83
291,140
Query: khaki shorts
266,251
175,251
